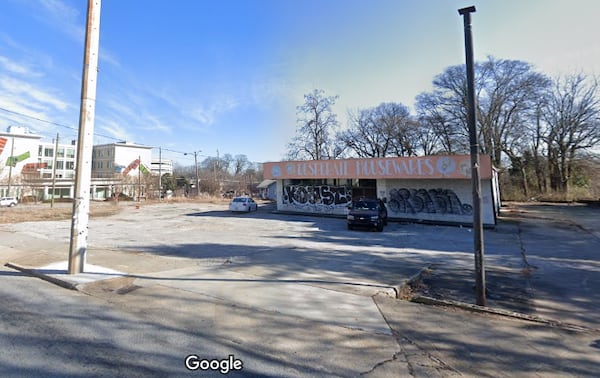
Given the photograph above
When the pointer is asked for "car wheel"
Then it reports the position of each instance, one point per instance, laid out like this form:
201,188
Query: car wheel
350,228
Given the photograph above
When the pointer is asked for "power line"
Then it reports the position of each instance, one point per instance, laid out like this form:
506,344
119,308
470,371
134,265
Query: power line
77,130
54,123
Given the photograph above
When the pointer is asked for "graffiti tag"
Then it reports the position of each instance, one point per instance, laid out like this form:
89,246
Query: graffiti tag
318,198
439,201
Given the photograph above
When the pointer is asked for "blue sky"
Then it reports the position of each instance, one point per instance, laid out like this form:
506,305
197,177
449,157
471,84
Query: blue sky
189,75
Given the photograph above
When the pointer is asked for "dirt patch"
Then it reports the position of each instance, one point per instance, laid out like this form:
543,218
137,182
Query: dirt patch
43,212
63,210
505,289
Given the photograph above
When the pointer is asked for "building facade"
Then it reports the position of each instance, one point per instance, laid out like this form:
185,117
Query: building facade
435,189
44,170
161,167
121,158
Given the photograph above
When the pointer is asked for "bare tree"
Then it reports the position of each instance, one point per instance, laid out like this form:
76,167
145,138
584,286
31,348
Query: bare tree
507,92
315,126
427,140
363,138
386,130
572,115
444,110
240,162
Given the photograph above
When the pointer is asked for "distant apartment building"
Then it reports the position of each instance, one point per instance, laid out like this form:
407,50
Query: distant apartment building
161,167
120,159
56,160
42,170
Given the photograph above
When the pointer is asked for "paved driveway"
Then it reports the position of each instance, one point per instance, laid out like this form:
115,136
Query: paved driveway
283,288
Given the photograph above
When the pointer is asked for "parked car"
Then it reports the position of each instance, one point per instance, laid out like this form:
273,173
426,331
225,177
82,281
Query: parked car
246,204
8,201
369,213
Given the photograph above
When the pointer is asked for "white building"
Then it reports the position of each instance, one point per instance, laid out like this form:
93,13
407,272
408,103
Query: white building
18,147
62,154
162,166
121,158
32,168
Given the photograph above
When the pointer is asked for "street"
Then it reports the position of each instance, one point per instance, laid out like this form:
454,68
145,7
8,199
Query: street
292,295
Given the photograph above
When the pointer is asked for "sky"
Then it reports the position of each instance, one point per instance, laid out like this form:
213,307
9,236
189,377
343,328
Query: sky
226,76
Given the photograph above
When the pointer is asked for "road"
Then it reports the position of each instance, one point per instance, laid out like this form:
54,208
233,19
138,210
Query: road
291,295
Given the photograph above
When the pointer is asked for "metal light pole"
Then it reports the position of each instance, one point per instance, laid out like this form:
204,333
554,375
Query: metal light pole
473,140
83,172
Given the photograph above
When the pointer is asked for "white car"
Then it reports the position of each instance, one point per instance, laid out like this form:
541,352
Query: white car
8,201
246,204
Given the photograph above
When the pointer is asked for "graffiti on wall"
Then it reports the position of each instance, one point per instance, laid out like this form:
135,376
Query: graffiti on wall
322,198
434,201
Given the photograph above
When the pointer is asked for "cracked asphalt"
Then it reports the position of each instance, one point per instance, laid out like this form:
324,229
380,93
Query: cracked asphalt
294,295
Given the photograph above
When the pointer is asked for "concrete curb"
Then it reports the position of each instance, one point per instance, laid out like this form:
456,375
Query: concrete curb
401,292
45,277
404,291
118,283
496,311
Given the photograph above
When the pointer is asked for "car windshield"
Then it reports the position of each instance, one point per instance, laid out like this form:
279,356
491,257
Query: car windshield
365,205
239,200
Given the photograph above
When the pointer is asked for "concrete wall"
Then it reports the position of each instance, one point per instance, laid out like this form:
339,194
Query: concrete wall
434,200
318,199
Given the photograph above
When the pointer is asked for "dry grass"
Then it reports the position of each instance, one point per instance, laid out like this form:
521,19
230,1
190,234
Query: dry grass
60,211
43,212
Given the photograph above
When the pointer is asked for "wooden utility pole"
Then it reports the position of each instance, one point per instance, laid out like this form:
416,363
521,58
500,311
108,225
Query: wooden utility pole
139,179
10,166
83,170
474,142
54,172
160,174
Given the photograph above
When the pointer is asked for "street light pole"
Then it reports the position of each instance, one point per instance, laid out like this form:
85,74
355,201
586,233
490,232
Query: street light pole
473,140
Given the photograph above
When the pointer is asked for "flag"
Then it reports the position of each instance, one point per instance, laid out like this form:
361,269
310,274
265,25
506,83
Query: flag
13,160
2,144
143,169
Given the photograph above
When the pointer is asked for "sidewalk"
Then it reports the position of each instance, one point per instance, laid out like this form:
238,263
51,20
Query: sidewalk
528,330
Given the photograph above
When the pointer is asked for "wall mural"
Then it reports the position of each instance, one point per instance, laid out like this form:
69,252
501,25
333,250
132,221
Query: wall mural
435,201
322,198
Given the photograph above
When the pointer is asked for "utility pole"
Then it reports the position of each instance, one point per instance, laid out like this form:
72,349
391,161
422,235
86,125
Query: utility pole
196,167
83,172
160,195
197,176
12,152
139,178
474,142
54,172
218,172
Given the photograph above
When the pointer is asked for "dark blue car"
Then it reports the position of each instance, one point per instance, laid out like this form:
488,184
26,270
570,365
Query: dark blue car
367,213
